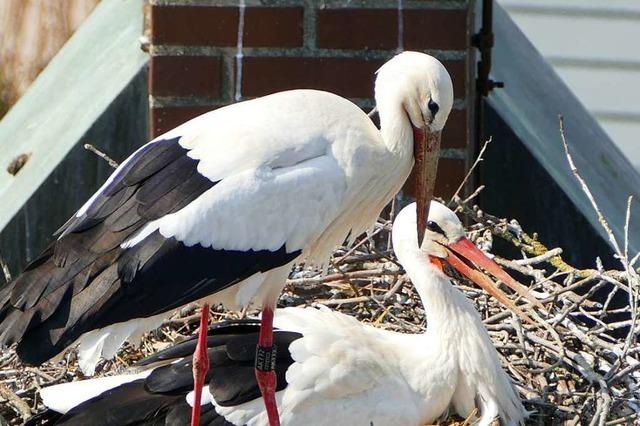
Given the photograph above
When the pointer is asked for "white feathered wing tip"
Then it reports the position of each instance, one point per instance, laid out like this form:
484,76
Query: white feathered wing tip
105,342
483,383
65,396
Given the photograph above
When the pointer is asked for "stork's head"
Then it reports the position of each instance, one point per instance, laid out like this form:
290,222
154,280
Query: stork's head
445,244
421,85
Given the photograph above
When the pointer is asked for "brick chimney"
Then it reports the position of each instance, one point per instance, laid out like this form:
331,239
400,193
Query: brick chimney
208,53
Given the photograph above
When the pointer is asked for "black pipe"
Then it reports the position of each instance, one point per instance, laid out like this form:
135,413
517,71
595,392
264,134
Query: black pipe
483,40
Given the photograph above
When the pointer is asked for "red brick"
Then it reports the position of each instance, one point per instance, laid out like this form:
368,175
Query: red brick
357,28
194,25
164,119
450,174
435,29
348,77
186,75
455,132
218,26
458,72
273,27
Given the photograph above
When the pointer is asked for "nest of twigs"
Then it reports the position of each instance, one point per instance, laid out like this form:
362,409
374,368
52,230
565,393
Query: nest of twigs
567,372
575,366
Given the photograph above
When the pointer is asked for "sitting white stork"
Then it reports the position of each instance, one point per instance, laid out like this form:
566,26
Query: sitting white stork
220,208
332,369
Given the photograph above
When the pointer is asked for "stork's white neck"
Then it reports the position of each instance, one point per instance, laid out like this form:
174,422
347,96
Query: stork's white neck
395,126
433,363
444,305
455,362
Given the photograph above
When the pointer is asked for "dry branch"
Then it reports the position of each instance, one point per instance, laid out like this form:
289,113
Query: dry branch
113,163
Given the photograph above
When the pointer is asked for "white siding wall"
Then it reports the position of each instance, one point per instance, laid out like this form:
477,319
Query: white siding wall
595,47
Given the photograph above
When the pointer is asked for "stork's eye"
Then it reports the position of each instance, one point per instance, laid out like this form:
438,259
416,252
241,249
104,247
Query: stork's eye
433,107
434,227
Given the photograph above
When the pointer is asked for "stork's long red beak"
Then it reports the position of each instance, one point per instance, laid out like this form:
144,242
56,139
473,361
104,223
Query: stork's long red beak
426,150
465,248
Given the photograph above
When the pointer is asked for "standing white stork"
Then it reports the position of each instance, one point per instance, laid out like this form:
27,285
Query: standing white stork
220,208
333,370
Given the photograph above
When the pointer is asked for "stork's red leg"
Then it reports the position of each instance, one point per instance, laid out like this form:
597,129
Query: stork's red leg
200,365
265,366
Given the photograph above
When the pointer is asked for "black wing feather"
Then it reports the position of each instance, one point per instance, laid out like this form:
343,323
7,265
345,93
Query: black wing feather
129,404
85,280
160,398
217,335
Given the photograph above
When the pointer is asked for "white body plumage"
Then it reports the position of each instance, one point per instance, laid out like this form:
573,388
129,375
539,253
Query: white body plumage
351,373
